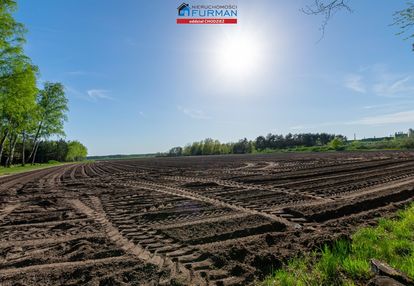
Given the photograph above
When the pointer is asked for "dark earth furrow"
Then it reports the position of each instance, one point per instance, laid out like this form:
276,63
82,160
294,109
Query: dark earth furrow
216,220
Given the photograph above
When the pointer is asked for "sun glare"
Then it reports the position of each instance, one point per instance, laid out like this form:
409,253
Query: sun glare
238,61
239,56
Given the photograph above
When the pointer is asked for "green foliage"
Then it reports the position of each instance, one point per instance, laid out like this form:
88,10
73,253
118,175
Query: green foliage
392,241
328,263
52,108
243,147
17,79
269,144
18,92
307,142
11,32
274,141
382,144
405,143
76,151
48,151
26,114
357,145
337,144
356,268
205,147
295,273
175,152
52,150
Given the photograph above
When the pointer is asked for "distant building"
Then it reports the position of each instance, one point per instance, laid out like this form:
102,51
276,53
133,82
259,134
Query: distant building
410,132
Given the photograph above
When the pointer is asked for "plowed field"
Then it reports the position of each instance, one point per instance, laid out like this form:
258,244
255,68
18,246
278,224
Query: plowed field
218,220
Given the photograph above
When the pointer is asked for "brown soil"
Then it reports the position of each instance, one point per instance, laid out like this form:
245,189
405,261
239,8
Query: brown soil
219,220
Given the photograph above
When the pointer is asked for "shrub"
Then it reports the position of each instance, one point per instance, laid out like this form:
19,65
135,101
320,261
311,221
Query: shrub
336,144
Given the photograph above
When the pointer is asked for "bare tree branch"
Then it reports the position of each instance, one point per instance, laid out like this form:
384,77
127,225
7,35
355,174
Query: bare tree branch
404,20
327,9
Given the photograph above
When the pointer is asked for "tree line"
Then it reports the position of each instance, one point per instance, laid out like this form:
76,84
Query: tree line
260,144
28,115
61,150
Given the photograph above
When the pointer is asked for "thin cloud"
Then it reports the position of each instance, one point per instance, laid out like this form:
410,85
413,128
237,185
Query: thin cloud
375,120
378,80
355,83
193,113
391,118
390,107
96,94
401,86
92,95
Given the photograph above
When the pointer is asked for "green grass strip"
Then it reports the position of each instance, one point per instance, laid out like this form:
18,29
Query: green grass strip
28,167
348,262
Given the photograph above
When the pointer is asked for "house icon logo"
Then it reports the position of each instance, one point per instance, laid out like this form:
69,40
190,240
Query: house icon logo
184,10
206,14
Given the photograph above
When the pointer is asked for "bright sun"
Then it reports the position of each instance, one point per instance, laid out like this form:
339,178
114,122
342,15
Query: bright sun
239,56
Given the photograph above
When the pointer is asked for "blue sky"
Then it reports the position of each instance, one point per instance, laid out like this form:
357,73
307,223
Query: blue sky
138,83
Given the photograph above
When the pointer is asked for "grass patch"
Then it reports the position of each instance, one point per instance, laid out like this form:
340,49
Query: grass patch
348,262
28,167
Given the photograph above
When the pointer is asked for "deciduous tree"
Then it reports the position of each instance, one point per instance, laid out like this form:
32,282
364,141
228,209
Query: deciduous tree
52,109
76,151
